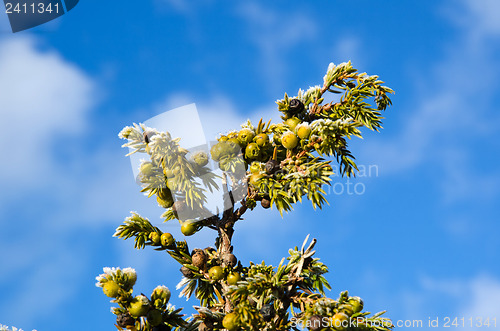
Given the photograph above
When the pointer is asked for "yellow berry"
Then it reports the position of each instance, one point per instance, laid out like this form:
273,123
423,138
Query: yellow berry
111,289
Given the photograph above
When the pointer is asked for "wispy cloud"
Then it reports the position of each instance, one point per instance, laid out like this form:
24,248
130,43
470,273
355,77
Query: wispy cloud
44,99
274,39
455,113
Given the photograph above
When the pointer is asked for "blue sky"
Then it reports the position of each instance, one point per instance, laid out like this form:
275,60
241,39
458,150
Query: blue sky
422,239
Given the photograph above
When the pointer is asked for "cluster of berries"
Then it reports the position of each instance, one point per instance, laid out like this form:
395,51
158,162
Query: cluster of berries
340,320
118,284
208,257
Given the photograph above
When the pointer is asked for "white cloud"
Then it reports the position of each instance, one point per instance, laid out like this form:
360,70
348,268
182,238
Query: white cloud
477,298
273,38
483,301
348,48
43,99
455,108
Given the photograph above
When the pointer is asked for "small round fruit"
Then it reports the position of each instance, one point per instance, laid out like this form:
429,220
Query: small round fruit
111,289
265,203
303,130
289,140
154,317
168,173
124,320
230,260
186,272
272,166
233,278
139,306
252,151
161,292
230,322
167,239
155,238
200,158
347,309
255,168
217,151
292,123
164,193
146,168
188,228
246,136
255,178
315,323
262,139
356,304
295,106
267,312
164,203
199,258
131,276
340,321
216,273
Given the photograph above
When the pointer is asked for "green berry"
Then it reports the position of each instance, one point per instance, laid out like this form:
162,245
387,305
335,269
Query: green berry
111,289
230,322
154,317
340,321
155,238
217,151
255,168
356,304
188,228
303,130
252,151
146,168
216,273
161,292
261,139
167,240
164,203
139,306
233,278
246,136
289,140
200,158
292,123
